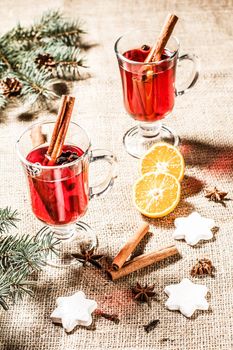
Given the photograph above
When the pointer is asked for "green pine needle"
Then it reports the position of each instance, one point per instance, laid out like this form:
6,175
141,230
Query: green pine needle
27,252
13,285
53,34
20,256
8,218
3,102
37,84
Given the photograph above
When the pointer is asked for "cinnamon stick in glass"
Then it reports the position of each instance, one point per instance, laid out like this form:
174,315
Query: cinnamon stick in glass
157,50
54,150
57,126
129,247
146,73
142,261
60,129
139,94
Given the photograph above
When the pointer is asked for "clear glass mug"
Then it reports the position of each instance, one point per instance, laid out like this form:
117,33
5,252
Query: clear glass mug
149,89
60,194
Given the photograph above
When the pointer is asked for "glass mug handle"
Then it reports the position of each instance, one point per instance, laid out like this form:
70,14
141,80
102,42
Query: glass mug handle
107,183
193,77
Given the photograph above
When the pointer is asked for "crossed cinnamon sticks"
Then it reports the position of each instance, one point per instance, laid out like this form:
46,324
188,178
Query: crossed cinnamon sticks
121,268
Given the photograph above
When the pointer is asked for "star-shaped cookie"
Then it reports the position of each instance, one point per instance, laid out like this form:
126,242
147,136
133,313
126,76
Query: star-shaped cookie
193,228
73,310
187,297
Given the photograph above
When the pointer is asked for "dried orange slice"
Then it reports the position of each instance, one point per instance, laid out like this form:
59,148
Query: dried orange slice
164,158
156,194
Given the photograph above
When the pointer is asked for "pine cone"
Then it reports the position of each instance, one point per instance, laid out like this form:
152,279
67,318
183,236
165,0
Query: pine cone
4,89
45,60
10,87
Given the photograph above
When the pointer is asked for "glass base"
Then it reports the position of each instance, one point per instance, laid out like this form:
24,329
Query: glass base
139,139
72,238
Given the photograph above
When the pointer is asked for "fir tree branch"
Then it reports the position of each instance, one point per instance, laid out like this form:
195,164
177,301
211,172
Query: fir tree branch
4,289
46,241
8,218
68,60
10,56
20,256
32,33
37,84
13,285
53,26
3,102
19,285
67,32
54,34
27,252
4,63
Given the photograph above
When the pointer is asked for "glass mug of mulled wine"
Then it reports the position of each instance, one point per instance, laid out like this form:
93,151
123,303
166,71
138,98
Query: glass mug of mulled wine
149,88
60,194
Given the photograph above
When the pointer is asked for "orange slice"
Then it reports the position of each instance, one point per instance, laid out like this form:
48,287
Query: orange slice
163,158
156,194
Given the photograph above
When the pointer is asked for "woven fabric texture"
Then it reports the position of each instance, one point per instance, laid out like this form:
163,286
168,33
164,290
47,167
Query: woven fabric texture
202,118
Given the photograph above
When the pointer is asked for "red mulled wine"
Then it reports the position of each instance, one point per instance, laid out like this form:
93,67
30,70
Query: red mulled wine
149,90
59,195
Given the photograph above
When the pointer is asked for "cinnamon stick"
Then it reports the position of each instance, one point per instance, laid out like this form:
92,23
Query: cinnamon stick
54,150
129,247
60,129
138,94
142,261
157,50
146,73
57,126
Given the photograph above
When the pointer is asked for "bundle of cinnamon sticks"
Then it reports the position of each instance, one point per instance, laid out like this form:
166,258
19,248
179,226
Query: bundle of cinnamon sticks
121,268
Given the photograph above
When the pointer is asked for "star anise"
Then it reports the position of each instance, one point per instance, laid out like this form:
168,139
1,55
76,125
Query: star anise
88,256
203,267
143,294
215,195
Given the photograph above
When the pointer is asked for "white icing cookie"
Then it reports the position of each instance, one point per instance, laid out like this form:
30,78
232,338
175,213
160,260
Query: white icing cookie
73,310
186,297
193,228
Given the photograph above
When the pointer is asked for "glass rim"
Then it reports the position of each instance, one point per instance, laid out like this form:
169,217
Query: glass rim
123,58
50,167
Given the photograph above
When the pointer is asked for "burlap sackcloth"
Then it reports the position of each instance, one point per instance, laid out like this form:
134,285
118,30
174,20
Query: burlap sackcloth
202,118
